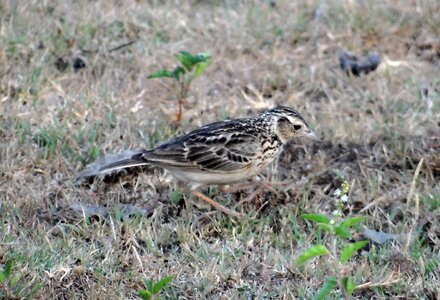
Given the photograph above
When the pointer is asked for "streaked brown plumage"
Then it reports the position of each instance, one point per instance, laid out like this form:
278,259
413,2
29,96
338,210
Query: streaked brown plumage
223,152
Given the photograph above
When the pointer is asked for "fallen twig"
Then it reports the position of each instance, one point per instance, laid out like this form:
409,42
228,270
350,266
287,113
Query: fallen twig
386,282
122,46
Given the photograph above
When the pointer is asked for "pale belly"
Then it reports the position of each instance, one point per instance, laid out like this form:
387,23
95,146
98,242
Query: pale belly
213,178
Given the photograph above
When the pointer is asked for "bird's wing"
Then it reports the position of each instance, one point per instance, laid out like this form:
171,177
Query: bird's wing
219,147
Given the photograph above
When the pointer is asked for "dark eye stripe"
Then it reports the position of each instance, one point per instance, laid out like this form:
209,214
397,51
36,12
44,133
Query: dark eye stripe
297,127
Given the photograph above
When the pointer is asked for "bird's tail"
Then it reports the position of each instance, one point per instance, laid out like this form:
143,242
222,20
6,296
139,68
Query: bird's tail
110,163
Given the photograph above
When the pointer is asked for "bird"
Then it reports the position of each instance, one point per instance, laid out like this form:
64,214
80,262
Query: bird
221,153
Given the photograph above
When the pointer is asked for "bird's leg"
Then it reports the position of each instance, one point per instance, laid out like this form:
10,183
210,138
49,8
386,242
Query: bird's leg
217,205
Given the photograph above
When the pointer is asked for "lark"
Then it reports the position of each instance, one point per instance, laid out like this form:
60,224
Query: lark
224,152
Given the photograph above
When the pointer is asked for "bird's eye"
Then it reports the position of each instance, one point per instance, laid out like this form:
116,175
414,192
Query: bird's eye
297,127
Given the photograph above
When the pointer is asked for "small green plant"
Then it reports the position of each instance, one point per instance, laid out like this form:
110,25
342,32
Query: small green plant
153,288
175,196
191,67
8,280
336,246
14,286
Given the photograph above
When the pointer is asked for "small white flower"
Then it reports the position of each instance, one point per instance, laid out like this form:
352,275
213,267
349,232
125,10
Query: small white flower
336,212
344,198
337,192
332,222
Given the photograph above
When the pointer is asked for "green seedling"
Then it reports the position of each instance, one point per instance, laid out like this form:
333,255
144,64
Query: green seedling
11,285
7,280
153,289
336,246
191,67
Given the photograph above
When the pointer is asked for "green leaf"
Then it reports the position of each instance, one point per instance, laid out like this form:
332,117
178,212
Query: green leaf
351,221
314,251
342,232
2,277
175,196
94,153
177,72
15,278
201,57
431,266
161,283
329,285
149,284
316,218
326,227
145,294
349,285
200,60
161,73
8,268
351,249
200,68
186,59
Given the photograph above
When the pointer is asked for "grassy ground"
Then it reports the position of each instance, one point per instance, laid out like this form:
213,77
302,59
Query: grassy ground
381,132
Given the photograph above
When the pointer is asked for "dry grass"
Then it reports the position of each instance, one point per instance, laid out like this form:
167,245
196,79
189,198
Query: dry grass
100,240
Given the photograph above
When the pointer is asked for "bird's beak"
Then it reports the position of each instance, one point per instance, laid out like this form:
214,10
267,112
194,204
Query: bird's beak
312,135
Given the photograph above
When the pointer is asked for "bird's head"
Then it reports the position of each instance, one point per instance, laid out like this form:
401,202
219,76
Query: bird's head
288,124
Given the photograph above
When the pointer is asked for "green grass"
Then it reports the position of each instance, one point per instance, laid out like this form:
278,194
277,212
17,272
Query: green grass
106,237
